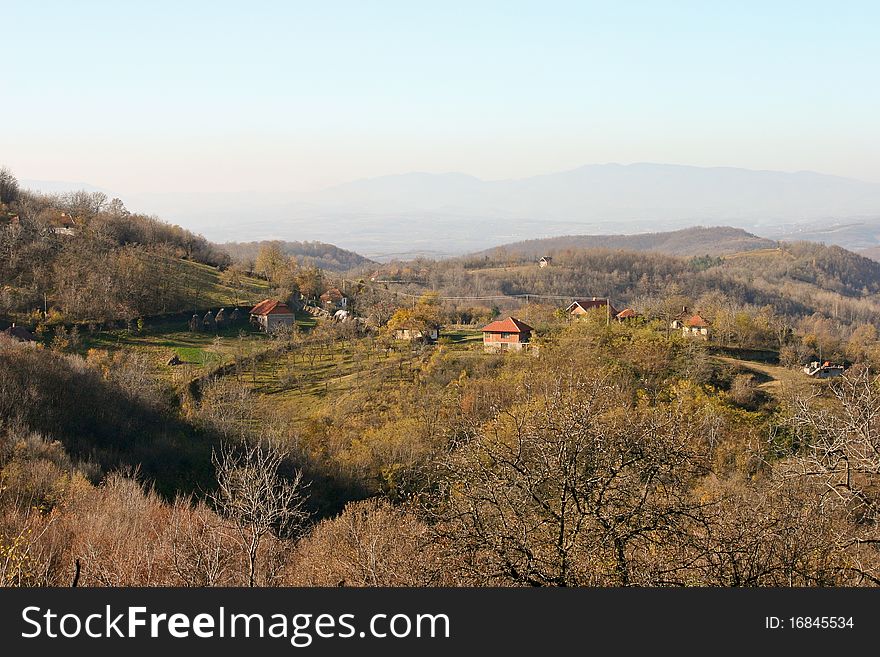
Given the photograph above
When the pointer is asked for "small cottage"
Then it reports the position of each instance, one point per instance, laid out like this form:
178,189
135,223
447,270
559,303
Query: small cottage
696,326
509,334
333,299
270,314
582,306
626,314
430,334
545,261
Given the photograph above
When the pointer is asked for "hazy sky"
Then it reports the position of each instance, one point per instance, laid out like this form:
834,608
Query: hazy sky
211,96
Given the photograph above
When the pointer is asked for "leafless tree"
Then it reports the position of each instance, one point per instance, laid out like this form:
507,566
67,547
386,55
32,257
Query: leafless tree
256,499
838,446
568,490
8,186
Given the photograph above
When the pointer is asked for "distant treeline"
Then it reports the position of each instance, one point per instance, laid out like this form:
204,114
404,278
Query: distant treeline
307,254
698,240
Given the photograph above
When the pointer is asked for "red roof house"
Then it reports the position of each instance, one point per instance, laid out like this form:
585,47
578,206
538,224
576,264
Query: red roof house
696,326
506,334
582,306
269,314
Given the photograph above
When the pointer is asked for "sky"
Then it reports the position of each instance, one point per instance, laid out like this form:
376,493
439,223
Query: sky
294,96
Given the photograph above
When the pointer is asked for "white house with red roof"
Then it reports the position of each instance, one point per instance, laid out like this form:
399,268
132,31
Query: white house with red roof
696,326
509,334
269,314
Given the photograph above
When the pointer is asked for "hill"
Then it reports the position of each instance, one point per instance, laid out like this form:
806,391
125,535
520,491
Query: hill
715,241
78,257
308,254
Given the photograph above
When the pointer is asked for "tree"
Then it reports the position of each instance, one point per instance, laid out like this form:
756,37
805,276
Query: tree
270,261
255,499
8,186
569,489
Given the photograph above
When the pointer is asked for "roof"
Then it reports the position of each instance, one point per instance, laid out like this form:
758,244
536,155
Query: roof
626,313
509,325
589,304
696,321
271,307
20,333
333,294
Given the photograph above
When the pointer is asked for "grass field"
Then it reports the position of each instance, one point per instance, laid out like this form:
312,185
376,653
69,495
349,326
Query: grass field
304,379
199,352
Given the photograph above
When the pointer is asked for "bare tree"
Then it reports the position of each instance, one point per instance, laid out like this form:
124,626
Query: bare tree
838,445
255,499
568,490
8,186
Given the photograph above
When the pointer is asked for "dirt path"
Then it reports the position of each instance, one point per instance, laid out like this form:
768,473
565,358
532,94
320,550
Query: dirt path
778,377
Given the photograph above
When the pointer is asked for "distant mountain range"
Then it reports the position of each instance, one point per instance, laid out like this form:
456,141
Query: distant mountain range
448,214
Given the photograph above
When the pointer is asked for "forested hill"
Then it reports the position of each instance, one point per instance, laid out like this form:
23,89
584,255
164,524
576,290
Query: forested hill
796,279
83,257
700,240
308,254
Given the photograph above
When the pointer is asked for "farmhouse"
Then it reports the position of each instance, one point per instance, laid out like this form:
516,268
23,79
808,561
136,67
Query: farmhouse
269,314
582,306
696,326
508,334
333,299
626,314
428,334
545,261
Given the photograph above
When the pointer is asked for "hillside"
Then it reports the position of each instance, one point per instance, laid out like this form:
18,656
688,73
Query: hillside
700,240
307,254
79,257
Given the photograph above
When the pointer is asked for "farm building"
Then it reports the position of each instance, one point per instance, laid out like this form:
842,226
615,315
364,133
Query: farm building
333,299
626,314
431,334
269,314
508,334
696,326
582,306
545,261
824,370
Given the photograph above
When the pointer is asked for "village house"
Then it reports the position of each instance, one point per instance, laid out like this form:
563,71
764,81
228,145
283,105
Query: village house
626,314
333,299
545,261
431,334
509,334
824,370
269,314
696,326
582,306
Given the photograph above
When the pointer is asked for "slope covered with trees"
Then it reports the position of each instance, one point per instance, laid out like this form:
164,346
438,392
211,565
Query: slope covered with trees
699,240
307,254
82,257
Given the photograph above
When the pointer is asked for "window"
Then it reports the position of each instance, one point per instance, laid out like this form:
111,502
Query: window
505,336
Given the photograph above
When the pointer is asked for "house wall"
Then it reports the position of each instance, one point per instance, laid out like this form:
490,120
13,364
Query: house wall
270,322
513,342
